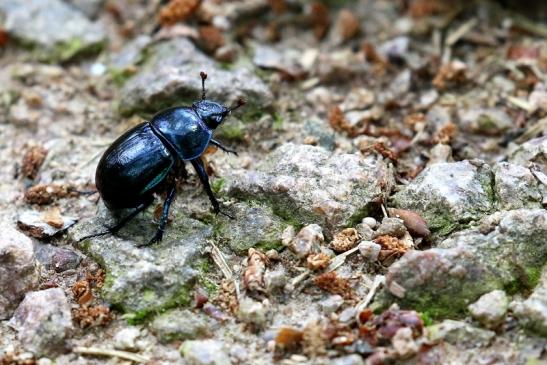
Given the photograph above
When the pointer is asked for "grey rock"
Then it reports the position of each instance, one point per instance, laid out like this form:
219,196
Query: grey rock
349,360
53,29
124,62
43,321
490,309
532,312
205,352
321,134
180,324
252,312
396,48
126,339
369,250
485,121
449,195
275,280
308,184
347,316
170,76
515,187
89,7
308,240
331,304
369,221
35,224
255,225
18,270
57,258
142,280
460,333
534,150
391,227
444,281
365,232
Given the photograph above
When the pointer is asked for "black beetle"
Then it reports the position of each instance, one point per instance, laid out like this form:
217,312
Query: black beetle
137,164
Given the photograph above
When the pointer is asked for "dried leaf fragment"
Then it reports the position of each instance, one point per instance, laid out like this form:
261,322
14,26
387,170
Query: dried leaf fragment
345,240
319,17
253,278
82,292
210,38
87,317
414,222
53,217
445,134
332,283
32,161
319,261
177,10
450,74
43,194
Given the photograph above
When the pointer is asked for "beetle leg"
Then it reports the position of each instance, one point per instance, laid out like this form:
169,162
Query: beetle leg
222,147
114,229
164,216
200,169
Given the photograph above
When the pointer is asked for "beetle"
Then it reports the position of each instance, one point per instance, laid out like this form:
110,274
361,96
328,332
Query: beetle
139,162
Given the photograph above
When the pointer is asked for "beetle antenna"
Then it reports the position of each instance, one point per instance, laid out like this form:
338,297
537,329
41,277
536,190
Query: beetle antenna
203,77
240,102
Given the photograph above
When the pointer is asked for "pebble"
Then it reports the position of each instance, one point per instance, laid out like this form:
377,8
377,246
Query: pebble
490,309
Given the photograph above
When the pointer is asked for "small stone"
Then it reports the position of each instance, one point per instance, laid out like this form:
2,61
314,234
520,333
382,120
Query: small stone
395,49
18,270
370,250
275,280
57,31
331,304
358,99
43,321
349,360
440,153
394,227
532,312
57,258
460,334
485,121
253,226
38,225
170,76
490,309
364,231
126,339
534,150
307,241
252,312
345,27
180,324
348,315
404,344
205,352
515,187
371,222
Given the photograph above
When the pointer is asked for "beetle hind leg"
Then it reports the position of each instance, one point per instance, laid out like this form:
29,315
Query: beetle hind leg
114,229
164,216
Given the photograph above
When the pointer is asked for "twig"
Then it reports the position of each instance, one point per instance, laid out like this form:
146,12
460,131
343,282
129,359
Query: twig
379,280
112,353
521,103
219,260
461,31
340,259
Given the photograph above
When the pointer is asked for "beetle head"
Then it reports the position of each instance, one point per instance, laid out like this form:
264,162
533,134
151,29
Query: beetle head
211,113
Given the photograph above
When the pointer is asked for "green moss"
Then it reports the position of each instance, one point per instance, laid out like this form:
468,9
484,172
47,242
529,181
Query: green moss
533,274
270,245
182,298
426,318
120,76
217,185
278,121
232,131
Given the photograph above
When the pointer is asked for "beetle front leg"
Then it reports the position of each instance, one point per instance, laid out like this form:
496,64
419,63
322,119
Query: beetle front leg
164,216
200,170
222,147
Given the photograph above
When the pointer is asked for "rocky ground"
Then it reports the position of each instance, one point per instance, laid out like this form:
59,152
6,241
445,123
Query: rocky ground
389,191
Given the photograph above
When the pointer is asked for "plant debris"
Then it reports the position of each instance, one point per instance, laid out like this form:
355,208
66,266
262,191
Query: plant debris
32,161
334,284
